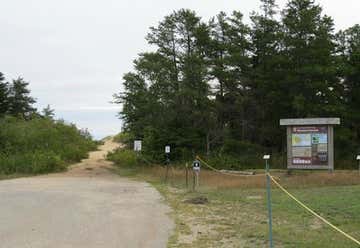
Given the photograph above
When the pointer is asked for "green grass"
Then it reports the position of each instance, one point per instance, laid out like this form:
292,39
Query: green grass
237,215
293,226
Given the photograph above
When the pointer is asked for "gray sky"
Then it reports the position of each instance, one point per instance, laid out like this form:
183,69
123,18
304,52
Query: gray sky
74,52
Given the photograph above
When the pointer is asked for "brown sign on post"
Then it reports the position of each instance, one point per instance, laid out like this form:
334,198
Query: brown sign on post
310,143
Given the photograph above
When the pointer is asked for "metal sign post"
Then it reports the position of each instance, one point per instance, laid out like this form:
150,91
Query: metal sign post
268,190
167,161
186,175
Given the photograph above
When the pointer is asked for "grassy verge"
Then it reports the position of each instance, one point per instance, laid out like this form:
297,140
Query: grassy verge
236,215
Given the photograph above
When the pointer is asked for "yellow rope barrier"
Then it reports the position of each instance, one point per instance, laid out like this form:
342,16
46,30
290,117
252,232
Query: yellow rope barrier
313,212
219,171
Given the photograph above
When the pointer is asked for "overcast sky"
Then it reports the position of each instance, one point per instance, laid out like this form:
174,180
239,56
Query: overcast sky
74,52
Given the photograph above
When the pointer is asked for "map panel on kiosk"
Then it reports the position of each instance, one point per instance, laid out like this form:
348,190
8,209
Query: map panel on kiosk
309,145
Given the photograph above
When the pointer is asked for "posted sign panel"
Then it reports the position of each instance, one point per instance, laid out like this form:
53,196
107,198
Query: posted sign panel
167,149
137,145
310,142
309,147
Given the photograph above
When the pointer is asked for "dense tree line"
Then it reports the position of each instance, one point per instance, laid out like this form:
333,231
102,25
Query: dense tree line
221,86
33,142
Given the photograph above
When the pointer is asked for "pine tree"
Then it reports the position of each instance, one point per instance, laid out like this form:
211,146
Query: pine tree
267,74
349,52
48,112
177,77
134,100
313,88
4,95
20,101
228,55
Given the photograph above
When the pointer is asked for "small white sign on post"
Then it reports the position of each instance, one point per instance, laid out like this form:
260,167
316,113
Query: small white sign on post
137,145
196,169
266,157
167,149
196,165
358,157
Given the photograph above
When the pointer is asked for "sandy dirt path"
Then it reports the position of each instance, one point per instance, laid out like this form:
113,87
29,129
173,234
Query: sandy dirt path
87,206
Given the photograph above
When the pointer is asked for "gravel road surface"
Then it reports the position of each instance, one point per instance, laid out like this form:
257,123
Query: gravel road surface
87,206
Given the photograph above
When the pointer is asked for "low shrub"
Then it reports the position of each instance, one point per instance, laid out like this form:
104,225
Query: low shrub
124,157
40,145
129,158
31,163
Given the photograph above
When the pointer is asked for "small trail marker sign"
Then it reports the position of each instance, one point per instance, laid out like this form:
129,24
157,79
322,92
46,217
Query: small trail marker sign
266,157
137,145
196,165
167,149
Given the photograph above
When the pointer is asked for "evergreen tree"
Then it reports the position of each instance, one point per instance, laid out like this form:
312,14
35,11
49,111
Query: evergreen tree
267,74
194,105
228,52
309,69
20,101
48,112
176,75
4,95
349,52
134,100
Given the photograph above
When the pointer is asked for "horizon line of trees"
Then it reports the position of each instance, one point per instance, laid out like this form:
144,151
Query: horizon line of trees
221,86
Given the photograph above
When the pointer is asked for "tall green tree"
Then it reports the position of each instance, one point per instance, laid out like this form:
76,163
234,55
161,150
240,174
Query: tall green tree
267,74
157,71
134,101
20,101
194,109
229,63
177,76
4,95
309,69
349,53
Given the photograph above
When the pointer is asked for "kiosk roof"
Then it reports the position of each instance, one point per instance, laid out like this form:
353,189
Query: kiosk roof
310,121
